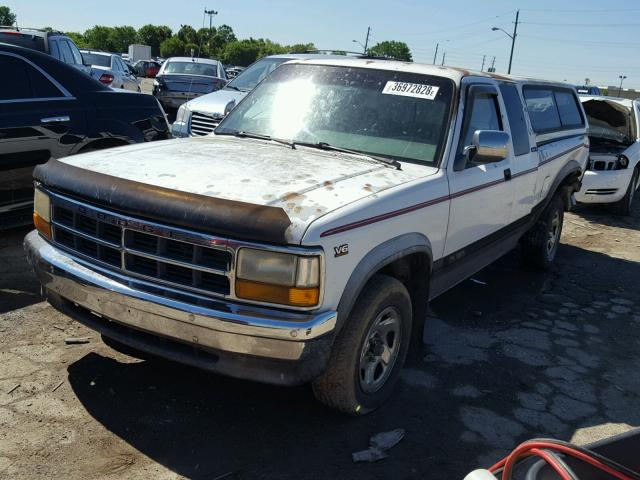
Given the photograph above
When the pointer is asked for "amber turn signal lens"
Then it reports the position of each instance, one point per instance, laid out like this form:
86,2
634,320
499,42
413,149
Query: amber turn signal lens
42,225
263,292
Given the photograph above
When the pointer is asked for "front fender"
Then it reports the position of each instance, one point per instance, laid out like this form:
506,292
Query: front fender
380,256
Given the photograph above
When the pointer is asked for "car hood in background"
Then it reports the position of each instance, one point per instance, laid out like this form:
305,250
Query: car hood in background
304,182
216,103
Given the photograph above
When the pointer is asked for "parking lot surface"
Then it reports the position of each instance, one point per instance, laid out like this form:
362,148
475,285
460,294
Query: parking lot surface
508,355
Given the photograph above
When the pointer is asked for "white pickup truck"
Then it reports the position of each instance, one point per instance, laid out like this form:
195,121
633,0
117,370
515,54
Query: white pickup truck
302,240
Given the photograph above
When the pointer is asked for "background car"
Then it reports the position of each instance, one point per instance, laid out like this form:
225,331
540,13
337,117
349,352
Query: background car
201,115
588,90
110,69
56,44
613,172
181,79
146,68
49,110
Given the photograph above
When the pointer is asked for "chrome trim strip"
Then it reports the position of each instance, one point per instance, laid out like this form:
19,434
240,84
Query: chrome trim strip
234,328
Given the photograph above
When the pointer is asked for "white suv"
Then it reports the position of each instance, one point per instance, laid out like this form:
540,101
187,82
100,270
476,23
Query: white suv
302,240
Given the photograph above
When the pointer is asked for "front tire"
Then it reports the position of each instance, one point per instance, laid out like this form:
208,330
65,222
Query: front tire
623,206
540,244
369,352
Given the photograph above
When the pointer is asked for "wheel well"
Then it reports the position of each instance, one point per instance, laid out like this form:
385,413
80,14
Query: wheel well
103,143
413,271
566,188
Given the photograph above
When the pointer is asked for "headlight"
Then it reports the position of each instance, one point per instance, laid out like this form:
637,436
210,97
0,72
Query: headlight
275,277
42,212
183,114
623,162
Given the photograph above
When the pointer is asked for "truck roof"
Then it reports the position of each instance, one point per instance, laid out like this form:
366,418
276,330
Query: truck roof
454,73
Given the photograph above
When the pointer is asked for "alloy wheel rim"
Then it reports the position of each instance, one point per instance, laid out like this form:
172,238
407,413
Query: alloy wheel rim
380,350
552,234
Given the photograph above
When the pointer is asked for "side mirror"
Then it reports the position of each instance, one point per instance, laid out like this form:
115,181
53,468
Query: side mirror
488,146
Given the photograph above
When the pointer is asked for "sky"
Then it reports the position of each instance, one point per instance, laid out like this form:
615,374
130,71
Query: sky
569,40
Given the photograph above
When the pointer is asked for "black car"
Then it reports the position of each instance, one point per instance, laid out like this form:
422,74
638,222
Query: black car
56,44
49,109
181,79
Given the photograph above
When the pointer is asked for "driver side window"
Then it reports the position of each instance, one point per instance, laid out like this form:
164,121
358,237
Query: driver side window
484,116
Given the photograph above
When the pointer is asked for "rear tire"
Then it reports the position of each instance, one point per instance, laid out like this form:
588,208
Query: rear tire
368,354
623,206
540,244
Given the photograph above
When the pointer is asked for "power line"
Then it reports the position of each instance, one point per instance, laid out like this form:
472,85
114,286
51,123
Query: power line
583,42
578,11
461,26
582,24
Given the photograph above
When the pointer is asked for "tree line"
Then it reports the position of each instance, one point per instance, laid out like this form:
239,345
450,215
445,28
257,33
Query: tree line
216,42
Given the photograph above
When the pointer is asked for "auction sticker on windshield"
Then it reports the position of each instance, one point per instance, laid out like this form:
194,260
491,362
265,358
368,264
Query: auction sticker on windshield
417,90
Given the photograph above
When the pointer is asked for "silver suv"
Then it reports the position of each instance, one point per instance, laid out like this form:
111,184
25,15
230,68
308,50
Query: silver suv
56,44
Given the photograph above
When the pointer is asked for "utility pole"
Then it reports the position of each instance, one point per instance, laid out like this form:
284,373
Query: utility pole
482,67
444,55
492,68
366,40
435,54
513,39
511,36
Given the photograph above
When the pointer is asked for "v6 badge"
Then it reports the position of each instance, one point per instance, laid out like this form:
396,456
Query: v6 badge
341,250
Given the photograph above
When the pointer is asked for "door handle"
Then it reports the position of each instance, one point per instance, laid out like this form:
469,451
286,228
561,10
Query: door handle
58,119
507,175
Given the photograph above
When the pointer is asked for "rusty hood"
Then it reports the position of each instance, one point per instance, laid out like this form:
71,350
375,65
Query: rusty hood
304,183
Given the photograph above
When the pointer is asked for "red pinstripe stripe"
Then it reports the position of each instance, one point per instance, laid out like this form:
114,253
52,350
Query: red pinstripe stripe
418,206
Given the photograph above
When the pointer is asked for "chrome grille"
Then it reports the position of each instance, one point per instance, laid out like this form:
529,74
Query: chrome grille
166,255
203,123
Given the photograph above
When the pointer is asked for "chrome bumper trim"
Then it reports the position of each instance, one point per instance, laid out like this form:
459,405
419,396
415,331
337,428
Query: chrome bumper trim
233,328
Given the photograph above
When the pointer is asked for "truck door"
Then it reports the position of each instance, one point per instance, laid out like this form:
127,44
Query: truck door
525,161
481,194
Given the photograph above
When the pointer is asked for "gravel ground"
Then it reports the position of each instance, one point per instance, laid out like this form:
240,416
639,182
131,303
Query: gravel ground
508,356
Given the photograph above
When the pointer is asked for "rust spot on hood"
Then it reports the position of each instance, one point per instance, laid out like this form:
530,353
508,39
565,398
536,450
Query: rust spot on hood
292,196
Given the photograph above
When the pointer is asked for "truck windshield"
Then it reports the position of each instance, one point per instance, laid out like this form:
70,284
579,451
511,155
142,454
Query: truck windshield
397,115
249,78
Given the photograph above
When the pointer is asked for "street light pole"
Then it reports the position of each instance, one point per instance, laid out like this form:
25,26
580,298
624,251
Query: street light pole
512,37
366,41
621,77
211,13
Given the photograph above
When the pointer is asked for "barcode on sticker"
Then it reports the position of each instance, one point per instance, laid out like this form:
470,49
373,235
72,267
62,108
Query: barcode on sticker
405,89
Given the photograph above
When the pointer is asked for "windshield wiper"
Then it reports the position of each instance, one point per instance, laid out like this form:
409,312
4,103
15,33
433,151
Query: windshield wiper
326,146
258,136
233,87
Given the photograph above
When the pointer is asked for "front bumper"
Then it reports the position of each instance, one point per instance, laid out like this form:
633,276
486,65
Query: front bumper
247,342
604,186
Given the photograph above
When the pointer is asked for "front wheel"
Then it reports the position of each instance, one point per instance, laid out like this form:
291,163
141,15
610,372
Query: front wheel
540,244
623,206
369,352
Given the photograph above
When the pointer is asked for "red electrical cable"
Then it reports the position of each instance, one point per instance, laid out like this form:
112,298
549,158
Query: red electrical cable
508,462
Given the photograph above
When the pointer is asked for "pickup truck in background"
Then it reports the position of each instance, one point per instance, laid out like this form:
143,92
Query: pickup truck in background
302,240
